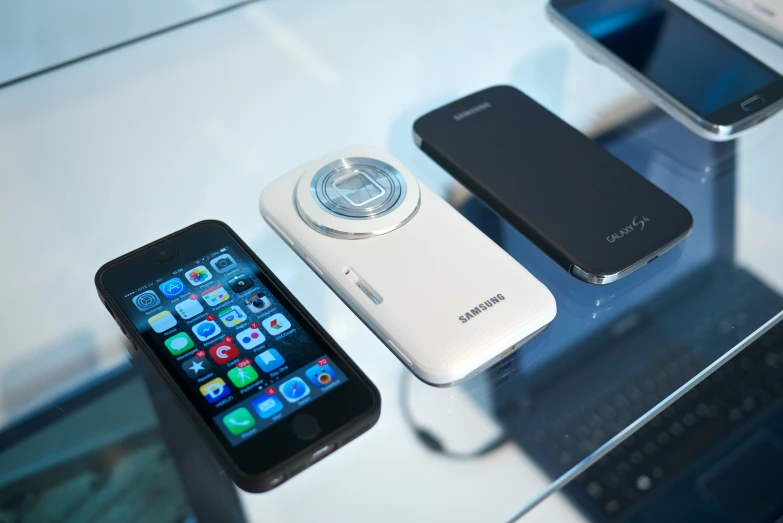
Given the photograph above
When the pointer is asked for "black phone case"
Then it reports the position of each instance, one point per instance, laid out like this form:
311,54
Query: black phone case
294,464
591,213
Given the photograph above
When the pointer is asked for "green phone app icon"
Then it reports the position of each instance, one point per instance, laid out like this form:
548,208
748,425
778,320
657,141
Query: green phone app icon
179,343
239,421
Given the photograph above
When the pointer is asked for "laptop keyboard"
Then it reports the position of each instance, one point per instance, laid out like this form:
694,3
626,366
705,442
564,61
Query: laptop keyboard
730,396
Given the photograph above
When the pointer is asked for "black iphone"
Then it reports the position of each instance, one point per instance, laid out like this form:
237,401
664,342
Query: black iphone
588,211
262,380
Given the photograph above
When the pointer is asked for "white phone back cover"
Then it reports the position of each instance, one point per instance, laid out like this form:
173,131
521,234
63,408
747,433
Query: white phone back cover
430,272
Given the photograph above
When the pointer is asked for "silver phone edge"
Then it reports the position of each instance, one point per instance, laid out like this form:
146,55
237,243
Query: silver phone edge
606,279
691,120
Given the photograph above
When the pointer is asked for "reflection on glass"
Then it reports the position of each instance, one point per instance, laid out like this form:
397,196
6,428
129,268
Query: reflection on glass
615,352
102,454
717,451
38,35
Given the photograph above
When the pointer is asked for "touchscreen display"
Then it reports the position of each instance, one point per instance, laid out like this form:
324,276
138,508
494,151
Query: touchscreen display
694,64
244,356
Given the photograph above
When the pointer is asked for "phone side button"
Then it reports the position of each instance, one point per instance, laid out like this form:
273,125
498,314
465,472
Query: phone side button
313,266
399,353
278,231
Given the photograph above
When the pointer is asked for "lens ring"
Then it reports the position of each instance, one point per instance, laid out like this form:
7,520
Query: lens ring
358,188
359,191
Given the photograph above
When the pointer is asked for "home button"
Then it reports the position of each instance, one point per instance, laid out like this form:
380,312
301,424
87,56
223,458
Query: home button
751,104
305,426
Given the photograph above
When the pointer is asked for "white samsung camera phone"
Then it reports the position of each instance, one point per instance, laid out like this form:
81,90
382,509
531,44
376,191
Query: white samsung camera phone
441,295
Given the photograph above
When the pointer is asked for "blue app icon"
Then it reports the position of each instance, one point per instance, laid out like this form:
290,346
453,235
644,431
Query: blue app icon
269,360
172,288
205,330
267,405
321,375
294,389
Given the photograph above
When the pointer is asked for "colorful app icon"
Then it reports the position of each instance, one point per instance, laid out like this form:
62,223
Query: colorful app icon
162,321
239,421
276,324
214,295
258,303
232,316
189,308
215,390
197,367
179,343
240,283
172,288
223,263
206,330
269,360
146,300
321,375
243,374
224,351
198,275
294,390
251,337
267,405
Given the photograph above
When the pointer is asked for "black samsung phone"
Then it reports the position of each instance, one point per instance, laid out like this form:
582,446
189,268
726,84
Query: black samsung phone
263,381
696,75
588,211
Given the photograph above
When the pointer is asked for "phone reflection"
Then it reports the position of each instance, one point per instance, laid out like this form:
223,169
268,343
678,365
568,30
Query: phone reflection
117,449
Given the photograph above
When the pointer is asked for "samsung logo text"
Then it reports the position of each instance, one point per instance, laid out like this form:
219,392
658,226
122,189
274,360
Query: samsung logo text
473,110
481,307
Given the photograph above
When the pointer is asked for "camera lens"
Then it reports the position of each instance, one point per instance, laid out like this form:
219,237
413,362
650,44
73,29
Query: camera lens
258,302
358,188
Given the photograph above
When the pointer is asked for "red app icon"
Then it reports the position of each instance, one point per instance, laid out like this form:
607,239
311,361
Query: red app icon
224,351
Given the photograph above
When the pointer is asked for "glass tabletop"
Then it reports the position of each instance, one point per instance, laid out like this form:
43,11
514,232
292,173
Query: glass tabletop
109,154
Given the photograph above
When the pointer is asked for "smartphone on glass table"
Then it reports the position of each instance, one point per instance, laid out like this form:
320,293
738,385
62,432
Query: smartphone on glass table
589,212
696,75
444,298
262,380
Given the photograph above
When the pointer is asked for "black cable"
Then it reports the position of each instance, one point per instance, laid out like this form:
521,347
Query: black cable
430,440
